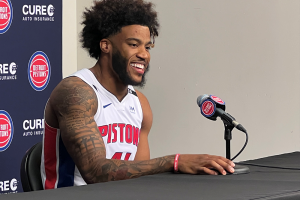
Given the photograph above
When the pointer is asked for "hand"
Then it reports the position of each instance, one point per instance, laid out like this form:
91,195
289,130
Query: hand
203,163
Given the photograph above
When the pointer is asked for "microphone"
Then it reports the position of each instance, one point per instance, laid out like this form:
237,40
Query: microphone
212,107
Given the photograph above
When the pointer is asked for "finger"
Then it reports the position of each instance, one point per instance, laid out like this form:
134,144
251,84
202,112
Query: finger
205,170
219,166
228,167
225,165
226,160
210,171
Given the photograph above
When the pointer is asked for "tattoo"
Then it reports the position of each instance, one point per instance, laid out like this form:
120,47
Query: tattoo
75,104
92,139
83,141
77,148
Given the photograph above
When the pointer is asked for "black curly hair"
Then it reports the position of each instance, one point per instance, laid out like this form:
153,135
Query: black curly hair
107,17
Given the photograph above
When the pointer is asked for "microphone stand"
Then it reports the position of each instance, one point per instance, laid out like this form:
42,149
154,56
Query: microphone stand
238,169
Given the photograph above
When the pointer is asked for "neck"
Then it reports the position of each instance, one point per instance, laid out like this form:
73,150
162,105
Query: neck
109,79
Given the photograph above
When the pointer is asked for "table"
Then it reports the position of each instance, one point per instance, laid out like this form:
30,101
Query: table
261,183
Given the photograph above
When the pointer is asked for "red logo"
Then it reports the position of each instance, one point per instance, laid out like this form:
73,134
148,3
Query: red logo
208,108
6,130
217,99
6,15
39,71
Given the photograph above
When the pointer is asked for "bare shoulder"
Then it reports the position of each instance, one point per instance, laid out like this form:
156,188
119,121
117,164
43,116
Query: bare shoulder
73,91
71,95
147,112
143,100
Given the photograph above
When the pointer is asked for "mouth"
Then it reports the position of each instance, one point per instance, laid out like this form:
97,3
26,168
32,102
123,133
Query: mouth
140,68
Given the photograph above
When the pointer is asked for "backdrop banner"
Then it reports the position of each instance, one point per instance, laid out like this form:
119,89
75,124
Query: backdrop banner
30,68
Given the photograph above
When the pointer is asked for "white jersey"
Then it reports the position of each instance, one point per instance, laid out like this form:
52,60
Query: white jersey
119,124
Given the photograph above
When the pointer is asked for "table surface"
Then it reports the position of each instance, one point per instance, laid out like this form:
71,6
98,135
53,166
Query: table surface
261,183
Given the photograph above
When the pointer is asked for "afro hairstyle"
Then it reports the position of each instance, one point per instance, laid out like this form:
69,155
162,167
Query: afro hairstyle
107,17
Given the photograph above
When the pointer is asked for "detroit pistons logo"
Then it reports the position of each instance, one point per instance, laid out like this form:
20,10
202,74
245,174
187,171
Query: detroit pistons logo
39,71
6,130
6,15
208,108
217,99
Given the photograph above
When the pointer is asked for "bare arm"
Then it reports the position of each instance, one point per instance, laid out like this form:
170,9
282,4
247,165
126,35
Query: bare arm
75,105
143,151
192,164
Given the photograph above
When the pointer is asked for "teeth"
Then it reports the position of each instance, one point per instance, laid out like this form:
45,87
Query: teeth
140,66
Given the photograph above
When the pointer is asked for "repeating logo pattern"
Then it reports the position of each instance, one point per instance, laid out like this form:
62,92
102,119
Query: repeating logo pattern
38,13
25,68
8,71
9,185
39,71
6,15
33,127
6,130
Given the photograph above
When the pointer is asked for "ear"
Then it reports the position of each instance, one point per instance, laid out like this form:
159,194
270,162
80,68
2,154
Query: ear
105,45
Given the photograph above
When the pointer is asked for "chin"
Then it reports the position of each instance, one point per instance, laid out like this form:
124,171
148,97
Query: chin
138,83
136,78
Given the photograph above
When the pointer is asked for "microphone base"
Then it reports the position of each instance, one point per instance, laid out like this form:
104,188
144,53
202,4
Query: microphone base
241,169
238,169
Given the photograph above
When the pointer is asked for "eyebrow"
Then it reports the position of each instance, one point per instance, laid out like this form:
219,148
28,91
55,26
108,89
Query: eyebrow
138,40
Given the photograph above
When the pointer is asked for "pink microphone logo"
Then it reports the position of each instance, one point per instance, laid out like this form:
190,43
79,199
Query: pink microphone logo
6,15
217,99
39,71
6,130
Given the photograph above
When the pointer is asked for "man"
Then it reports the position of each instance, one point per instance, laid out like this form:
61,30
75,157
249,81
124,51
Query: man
96,123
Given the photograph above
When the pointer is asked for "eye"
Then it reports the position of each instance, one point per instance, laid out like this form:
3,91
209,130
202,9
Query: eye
148,48
133,45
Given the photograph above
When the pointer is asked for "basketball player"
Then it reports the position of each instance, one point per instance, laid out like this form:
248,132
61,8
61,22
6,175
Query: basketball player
96,123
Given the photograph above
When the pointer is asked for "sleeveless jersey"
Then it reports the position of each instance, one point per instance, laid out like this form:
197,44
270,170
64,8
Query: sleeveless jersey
119,124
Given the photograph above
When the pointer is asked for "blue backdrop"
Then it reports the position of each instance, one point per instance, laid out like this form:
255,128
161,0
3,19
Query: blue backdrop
30,68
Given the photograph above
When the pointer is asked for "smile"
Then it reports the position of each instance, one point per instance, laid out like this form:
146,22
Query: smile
139,66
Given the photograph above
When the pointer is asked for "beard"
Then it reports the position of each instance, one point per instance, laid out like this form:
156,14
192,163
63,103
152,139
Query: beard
119,64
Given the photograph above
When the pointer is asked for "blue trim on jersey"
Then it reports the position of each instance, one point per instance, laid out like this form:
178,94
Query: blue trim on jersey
66,167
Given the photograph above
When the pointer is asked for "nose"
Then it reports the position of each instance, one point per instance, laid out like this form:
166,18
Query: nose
143,53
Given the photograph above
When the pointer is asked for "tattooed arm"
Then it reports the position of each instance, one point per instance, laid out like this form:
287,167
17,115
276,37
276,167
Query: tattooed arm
74,103
71,108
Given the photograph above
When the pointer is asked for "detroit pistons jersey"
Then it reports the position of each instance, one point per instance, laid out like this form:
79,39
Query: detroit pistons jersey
119,124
